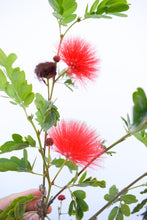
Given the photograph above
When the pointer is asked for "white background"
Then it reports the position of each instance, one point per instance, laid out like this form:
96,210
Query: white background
28,29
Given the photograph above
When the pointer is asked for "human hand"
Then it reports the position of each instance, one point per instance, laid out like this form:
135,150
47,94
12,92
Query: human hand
5,202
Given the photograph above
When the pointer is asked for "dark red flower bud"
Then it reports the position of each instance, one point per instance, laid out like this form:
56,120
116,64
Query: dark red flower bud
61,197
56,58
46,70
49,142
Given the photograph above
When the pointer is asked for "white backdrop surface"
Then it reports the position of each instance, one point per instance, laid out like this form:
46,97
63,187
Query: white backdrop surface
28,29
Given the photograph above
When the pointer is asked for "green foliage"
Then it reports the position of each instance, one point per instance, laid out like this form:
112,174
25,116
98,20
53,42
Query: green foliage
125,199
63,10
144,215
105,8
47,114
119,215
113,213
142,136
69,84
129,199
125,210
17,144
16,208
139,206
13,82
112,192
145,191
16,164
139,121
78,206
59,162
140,106
83,182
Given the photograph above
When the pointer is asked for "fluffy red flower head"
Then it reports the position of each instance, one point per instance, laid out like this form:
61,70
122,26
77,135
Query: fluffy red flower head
81,59
76,142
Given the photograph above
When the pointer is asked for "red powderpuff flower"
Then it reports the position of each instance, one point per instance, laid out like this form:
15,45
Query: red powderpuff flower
61,197
81,59
76,142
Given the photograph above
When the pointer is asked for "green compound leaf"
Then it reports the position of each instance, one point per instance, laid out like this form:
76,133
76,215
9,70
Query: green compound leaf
83,182
79,194
139,123
69,84
79,206
63,10
111,6
13,82
140,106
31,141
144,214
139,206
129,199
71,210
16,208
119,215
47,114
142,136
83,205
105,7
3,58
112,192
82,177
113,213
17,143
94,6
59,162
125,210
144,191
15,164
3,81
19,210
54,4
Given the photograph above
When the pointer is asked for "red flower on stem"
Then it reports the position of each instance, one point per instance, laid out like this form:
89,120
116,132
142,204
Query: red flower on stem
81,59
76,142
61,197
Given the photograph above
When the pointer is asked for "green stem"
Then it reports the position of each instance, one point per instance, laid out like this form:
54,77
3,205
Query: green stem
39,174
48,89
59,170
62,74
118,194
42,152
46,165
138,186
33,125
78,20
59,210
52,89
118,141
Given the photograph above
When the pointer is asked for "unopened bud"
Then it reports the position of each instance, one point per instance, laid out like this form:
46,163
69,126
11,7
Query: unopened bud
46,70
56,58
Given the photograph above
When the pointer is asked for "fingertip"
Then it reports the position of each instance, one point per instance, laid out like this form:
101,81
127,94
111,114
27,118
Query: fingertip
49,210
